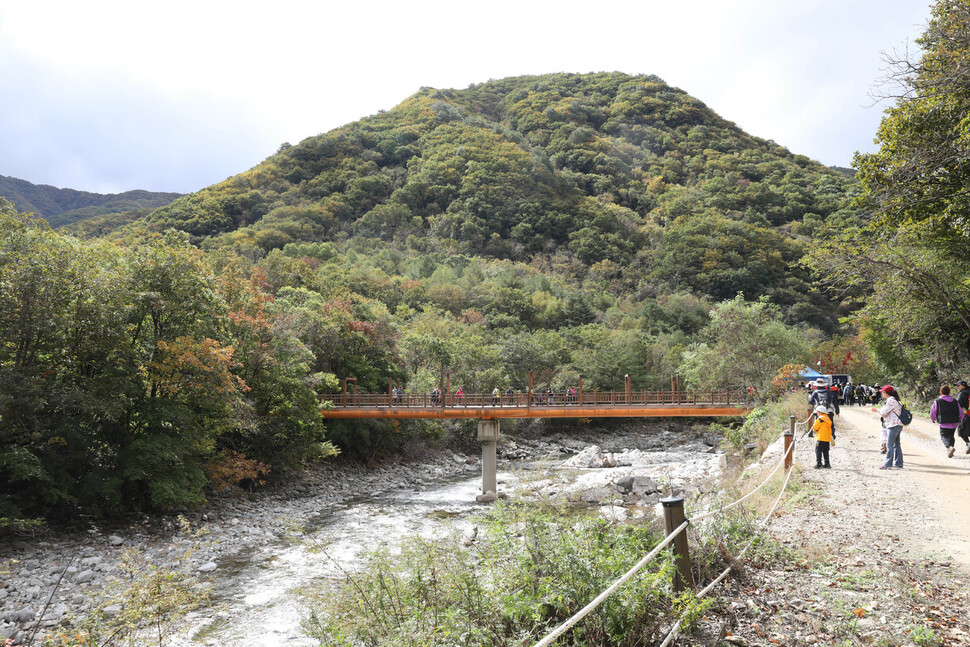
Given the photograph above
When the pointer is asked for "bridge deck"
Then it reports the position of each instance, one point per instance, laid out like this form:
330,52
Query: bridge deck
486,413
639,404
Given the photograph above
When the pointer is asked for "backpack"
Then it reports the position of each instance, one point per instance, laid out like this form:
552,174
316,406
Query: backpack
820,397
905,415
947,411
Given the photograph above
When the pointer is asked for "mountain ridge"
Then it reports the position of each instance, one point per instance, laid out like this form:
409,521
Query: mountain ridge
64,206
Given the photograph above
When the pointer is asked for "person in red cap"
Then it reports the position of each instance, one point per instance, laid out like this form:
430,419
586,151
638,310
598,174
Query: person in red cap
890,415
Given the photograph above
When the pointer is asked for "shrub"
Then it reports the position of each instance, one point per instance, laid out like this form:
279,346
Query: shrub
530,569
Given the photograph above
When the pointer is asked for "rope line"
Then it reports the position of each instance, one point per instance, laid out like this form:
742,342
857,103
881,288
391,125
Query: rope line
582,613
711,513
675,630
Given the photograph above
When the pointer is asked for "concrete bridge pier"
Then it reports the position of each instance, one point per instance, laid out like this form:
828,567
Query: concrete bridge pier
488,432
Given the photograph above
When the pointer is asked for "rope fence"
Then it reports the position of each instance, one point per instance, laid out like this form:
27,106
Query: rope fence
675,630
626,577
724,508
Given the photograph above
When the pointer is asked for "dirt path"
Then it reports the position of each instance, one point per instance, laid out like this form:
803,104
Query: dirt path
881,557
927,500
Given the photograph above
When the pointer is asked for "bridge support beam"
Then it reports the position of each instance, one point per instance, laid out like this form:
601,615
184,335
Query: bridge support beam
488,432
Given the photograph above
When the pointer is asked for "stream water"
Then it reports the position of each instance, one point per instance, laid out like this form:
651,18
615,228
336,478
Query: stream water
263,555
258,594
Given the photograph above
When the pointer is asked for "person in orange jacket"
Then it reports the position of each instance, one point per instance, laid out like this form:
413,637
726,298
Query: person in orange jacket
823,436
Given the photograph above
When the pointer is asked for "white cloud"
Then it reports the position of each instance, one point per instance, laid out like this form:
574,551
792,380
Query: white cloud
176,81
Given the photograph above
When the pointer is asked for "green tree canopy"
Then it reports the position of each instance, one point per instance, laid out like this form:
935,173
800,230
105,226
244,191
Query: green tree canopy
909,265
920,177
747,343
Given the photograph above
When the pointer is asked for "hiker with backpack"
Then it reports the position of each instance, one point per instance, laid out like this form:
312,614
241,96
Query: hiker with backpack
963,399
825,397
947,413
890,413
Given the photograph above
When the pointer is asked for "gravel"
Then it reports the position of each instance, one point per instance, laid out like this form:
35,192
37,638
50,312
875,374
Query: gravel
862,556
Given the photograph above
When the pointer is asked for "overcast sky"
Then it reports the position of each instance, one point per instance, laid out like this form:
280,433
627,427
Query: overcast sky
109,96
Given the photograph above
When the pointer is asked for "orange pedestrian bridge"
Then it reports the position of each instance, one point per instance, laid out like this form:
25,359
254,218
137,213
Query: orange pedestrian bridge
537,404
489,409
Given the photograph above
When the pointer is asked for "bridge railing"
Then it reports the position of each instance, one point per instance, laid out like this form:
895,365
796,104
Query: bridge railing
557,399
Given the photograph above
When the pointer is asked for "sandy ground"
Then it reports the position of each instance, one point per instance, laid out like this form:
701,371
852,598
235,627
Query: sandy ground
927,500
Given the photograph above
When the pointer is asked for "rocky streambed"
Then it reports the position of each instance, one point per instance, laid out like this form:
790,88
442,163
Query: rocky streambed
256,553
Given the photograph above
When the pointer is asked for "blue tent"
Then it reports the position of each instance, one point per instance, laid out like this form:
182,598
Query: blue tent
810,374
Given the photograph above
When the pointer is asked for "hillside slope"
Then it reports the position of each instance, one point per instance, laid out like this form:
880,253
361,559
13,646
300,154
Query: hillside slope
624,175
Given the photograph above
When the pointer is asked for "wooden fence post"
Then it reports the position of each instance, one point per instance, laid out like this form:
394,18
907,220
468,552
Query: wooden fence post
673,518
789,442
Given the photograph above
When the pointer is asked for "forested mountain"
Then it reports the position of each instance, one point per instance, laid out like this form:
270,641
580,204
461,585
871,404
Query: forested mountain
595,225
65,206
608,175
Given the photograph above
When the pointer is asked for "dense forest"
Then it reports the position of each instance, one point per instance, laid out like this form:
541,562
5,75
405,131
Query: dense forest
66,206
599,225
621,179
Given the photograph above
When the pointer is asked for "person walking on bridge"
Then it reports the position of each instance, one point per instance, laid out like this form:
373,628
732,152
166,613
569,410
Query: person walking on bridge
947,413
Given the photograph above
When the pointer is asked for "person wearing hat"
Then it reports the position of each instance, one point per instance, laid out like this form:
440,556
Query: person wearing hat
823,436
824,397
963,399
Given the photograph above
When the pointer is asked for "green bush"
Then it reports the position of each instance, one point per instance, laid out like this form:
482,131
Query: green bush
529,570
764,424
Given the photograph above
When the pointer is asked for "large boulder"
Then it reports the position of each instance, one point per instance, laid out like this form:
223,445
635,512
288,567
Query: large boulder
592,457
638,486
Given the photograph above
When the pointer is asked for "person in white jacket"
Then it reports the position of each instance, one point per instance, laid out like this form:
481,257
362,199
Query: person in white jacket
894,426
